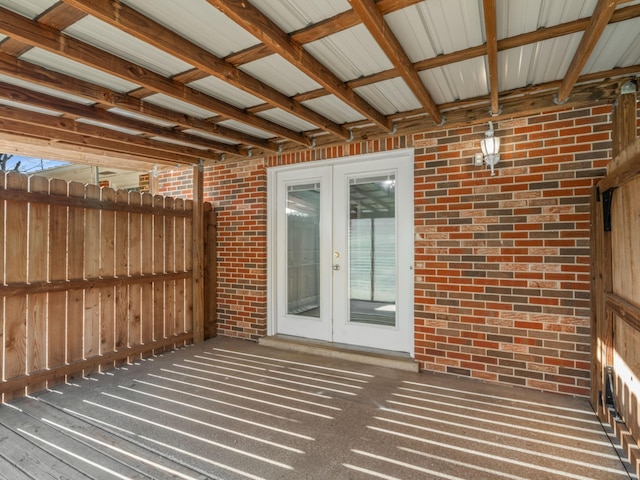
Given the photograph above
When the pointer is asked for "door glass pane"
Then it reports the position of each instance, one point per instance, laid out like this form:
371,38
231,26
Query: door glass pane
372,250
303,250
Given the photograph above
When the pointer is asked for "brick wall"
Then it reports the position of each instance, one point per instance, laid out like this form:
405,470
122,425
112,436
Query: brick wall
502,263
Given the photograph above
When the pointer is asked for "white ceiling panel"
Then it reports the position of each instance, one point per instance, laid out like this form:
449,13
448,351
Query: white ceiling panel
292,15
72,68
457,81
334,109
28,8
436,27
143,118
241,127
176,105
276,72
389,97
350,54
48,91
198,22
96,32
286,119
227,93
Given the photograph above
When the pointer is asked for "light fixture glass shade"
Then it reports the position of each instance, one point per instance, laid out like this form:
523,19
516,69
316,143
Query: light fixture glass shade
490,145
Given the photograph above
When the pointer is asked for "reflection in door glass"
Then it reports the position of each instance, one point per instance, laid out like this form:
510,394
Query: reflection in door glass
303,250
372,250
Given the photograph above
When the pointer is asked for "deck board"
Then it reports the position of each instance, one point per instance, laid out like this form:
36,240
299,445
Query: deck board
230,409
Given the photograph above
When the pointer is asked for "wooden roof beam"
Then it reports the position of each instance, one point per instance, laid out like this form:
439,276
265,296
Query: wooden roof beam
598,22
49,39
15,120
491,31
20,144
265,30
32,98
136,24
109,98
372,18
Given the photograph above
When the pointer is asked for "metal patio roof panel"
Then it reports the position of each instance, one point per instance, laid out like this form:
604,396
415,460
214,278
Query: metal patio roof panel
241,127
198,22
176,105
550,59
28,8
350,54
278,73
48,91
30,108
334,109
215,138
437,27
390,96
609,54
108,126
58,63
227,93
281,117
141,117
457,81
100,34
292,15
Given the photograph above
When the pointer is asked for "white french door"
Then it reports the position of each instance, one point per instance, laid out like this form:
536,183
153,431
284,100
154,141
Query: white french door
341,251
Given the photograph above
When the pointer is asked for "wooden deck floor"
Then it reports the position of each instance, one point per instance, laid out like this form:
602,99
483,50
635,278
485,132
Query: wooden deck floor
231,409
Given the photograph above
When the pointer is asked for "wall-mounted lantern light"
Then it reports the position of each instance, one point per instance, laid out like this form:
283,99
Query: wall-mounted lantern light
490,146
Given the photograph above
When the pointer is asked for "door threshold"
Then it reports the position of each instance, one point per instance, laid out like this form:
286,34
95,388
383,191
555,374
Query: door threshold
370,356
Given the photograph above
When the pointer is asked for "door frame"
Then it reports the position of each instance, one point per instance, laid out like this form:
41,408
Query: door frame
272,173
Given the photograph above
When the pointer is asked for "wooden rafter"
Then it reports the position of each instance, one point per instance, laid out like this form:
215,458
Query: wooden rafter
17,120
109,98
372,18
20,144
41,36
134,23
263,28
539,35
599,20
491,31
76,110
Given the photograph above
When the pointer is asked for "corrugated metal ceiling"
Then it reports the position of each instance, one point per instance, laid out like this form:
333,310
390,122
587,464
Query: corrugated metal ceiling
322,73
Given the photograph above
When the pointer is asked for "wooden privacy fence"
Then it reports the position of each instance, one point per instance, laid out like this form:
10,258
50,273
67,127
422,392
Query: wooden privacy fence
91,277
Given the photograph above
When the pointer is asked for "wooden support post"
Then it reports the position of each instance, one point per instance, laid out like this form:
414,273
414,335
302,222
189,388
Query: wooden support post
624,130
198,254
210,272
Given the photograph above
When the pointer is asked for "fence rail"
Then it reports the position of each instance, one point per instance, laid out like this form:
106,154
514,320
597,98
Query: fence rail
89,277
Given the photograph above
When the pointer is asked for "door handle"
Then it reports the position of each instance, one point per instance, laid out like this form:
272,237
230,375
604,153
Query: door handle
336,267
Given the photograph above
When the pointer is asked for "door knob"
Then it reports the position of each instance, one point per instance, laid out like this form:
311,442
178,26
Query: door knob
336,267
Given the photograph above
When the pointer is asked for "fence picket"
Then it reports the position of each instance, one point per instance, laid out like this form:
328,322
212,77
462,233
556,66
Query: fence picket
38,226
75,298
15,341
57,315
